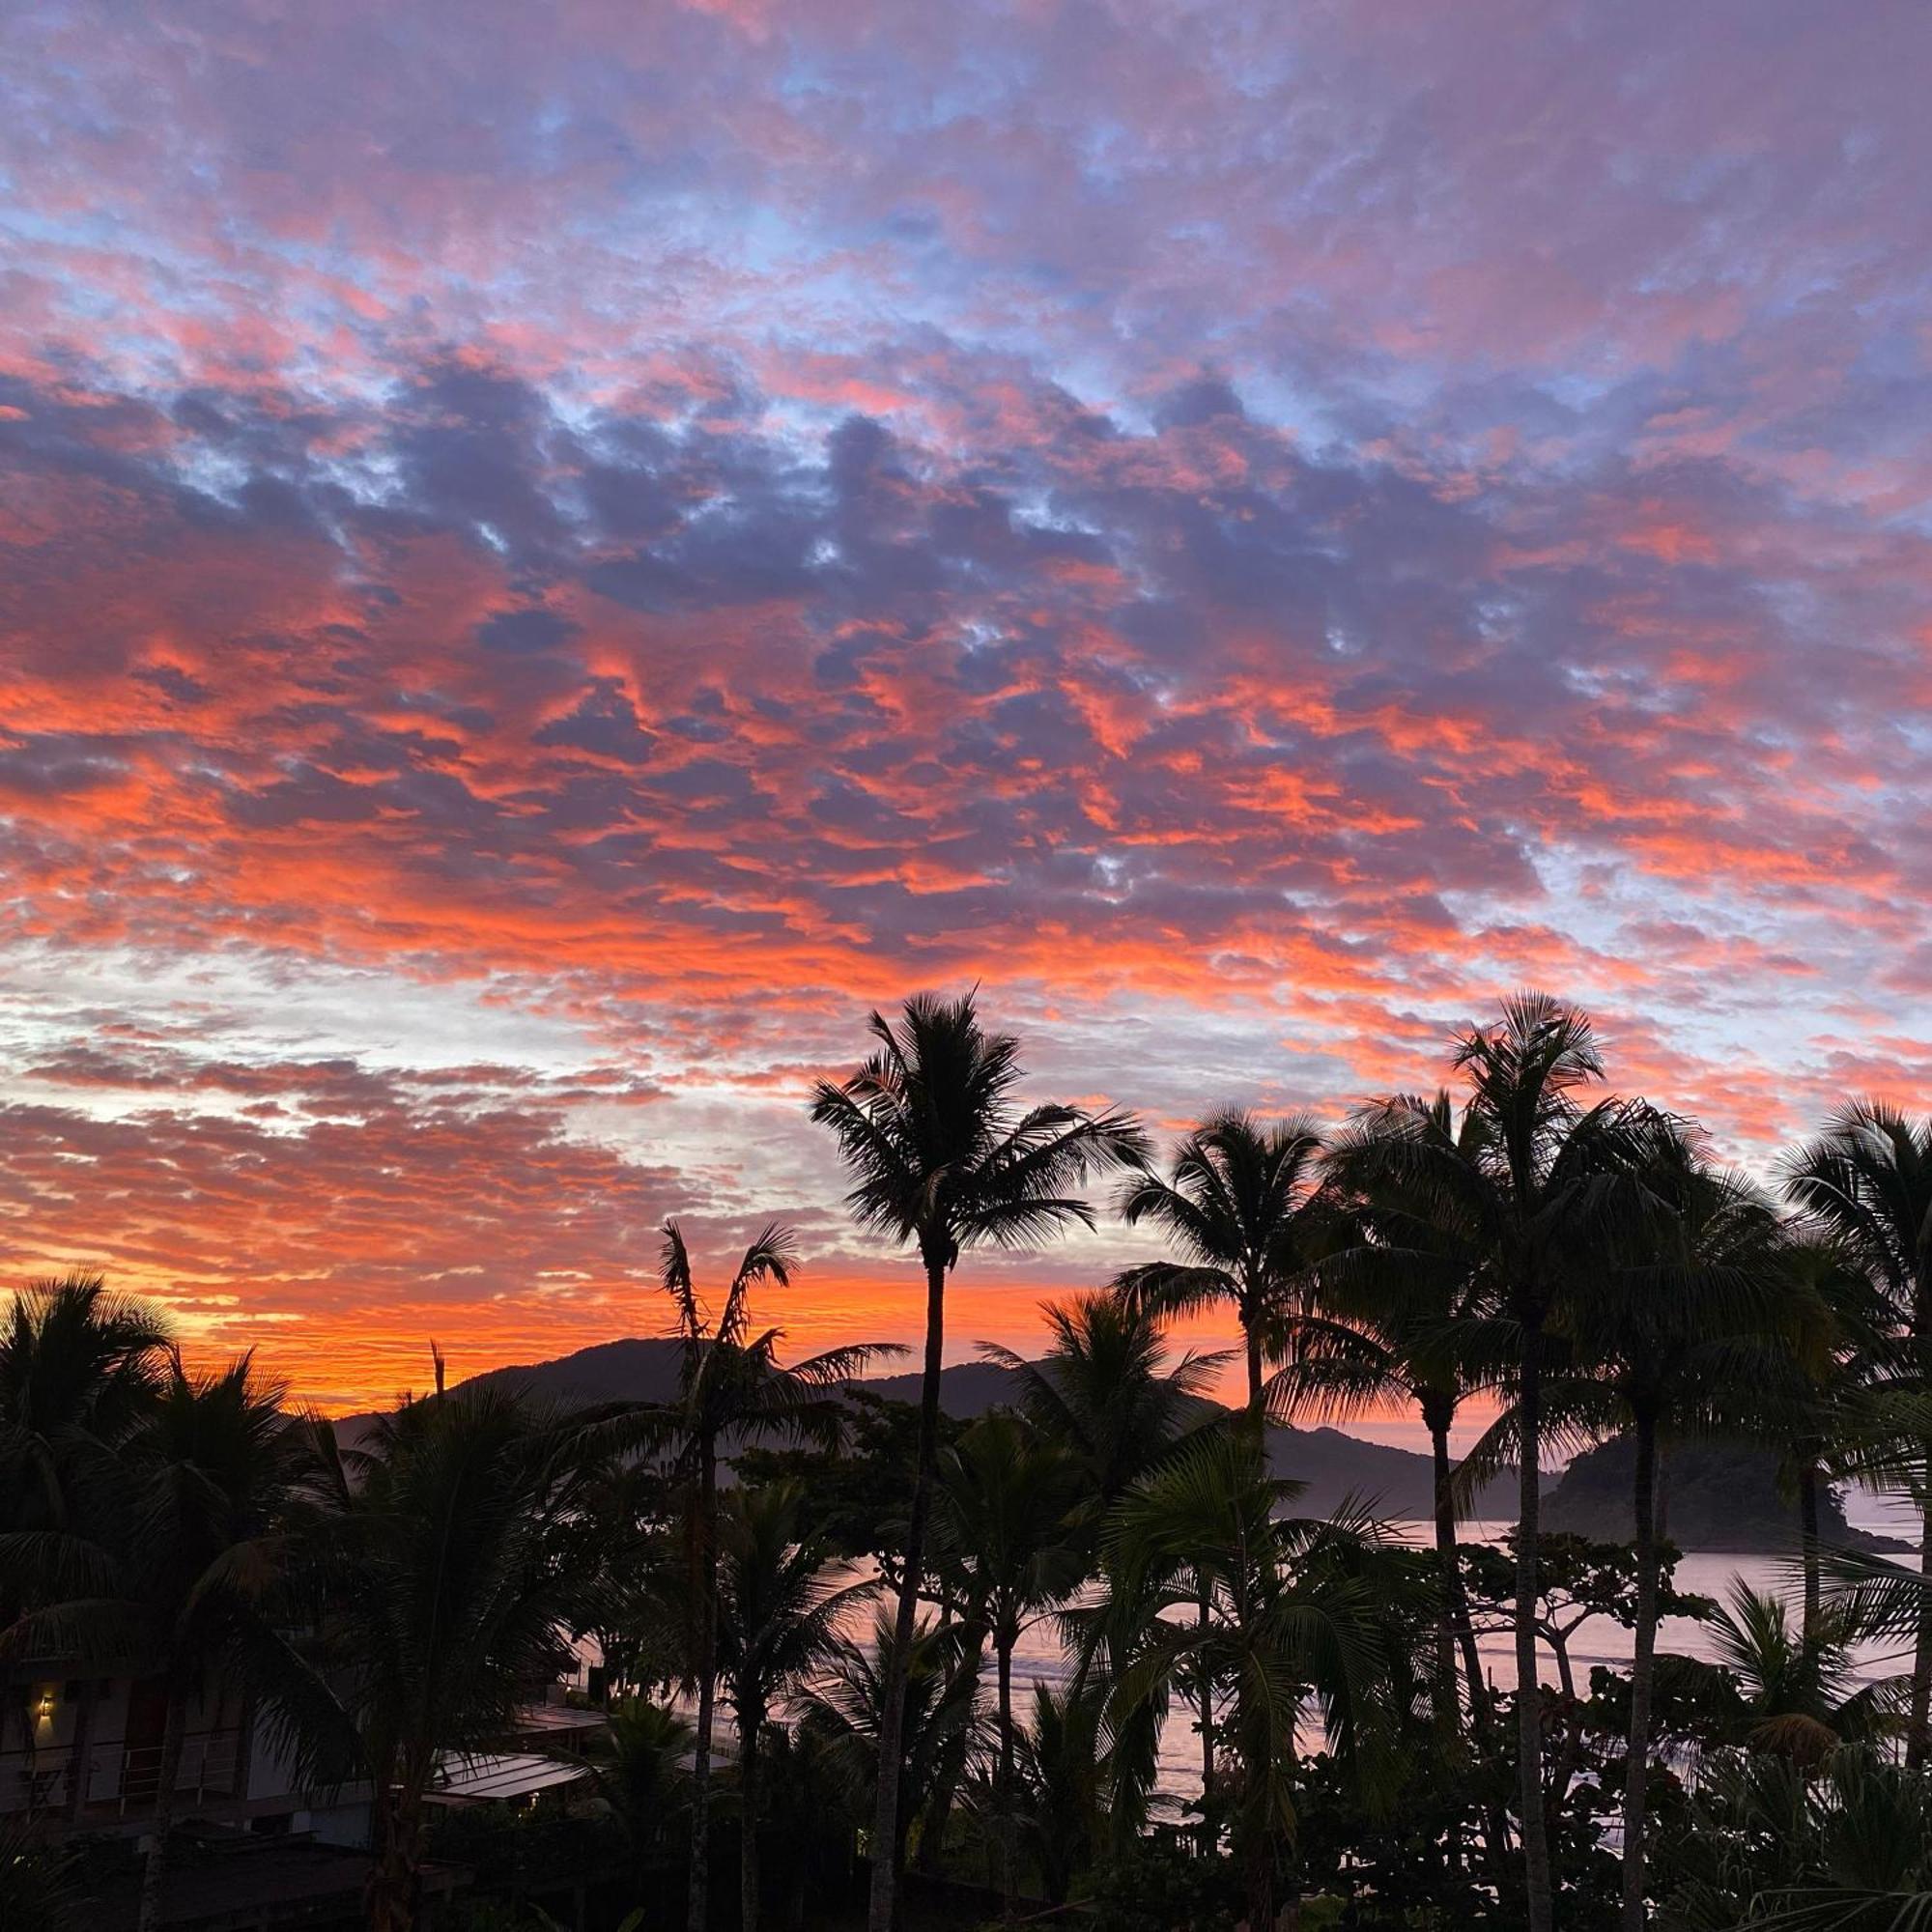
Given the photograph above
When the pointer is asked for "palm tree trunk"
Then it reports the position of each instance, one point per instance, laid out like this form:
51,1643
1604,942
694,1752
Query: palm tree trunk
398,1817
154,1866
1807,1545
1252,1337
381,1842
1448,1707
1260,1887
883,1903
1643,1671
1455,1622
1919,1731
1537,1892
1456,1599
750,1723
1205,1617
1009,1884
1257,1817
697,1899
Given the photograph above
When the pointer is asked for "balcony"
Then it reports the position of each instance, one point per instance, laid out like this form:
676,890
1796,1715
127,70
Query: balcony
120,1783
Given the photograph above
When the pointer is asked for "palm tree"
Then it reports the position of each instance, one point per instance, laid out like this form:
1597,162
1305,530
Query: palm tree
1062,1792
637,1764
183,1566
79,1369
1006,1499
1688,1331
1813,1411
1393,1298
1522,1191
1868,1180
732,1387
778,1624
942,1159
1292,1619
845,1713
459,1537
1243,1205
1803,1698
1105,1392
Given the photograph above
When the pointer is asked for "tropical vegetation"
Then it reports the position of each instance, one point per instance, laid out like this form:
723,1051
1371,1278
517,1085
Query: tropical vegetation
1085,1652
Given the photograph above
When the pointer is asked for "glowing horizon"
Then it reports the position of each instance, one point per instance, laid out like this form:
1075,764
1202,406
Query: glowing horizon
545,567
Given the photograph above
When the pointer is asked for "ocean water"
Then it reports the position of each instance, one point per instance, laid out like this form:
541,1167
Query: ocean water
1041,1657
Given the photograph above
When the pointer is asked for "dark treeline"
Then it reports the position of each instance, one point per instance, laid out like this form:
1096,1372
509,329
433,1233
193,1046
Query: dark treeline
809,1601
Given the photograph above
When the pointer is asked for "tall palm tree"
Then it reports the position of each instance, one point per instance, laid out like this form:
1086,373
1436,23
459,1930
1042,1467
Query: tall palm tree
1813,1412
1242,1203
779,1618
459,1553
1005,1506
943,1158
1393,1298
1689,1328
1294,1622
183,1568
732,1387
1525,1190
1869,1179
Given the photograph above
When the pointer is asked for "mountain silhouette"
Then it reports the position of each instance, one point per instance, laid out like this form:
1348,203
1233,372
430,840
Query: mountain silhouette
1714,1495
1333,1467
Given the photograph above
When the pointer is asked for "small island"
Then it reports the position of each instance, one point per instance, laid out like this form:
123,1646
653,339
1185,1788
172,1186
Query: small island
1712,1495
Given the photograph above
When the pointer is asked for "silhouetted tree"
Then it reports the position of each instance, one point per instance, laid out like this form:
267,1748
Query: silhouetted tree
942,1159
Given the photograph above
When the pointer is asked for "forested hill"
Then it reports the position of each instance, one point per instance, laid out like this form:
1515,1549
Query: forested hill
1334,1466
641,1369
1714,1495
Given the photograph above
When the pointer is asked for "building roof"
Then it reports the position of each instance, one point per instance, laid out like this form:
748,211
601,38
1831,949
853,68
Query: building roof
494,1777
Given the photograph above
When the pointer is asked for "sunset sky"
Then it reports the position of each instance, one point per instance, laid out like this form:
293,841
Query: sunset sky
553,556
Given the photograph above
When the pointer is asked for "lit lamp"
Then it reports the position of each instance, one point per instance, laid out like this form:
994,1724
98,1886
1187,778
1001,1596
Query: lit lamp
44,1712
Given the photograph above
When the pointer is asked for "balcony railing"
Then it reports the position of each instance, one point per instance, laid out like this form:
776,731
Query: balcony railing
122,1781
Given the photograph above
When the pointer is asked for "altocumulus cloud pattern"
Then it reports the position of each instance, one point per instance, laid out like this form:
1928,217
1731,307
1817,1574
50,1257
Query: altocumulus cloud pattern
552,556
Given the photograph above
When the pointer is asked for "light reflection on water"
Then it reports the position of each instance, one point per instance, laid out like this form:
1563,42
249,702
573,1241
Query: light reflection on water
1041,1658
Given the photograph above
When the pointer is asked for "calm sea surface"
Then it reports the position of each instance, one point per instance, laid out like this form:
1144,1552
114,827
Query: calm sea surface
1041,1658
